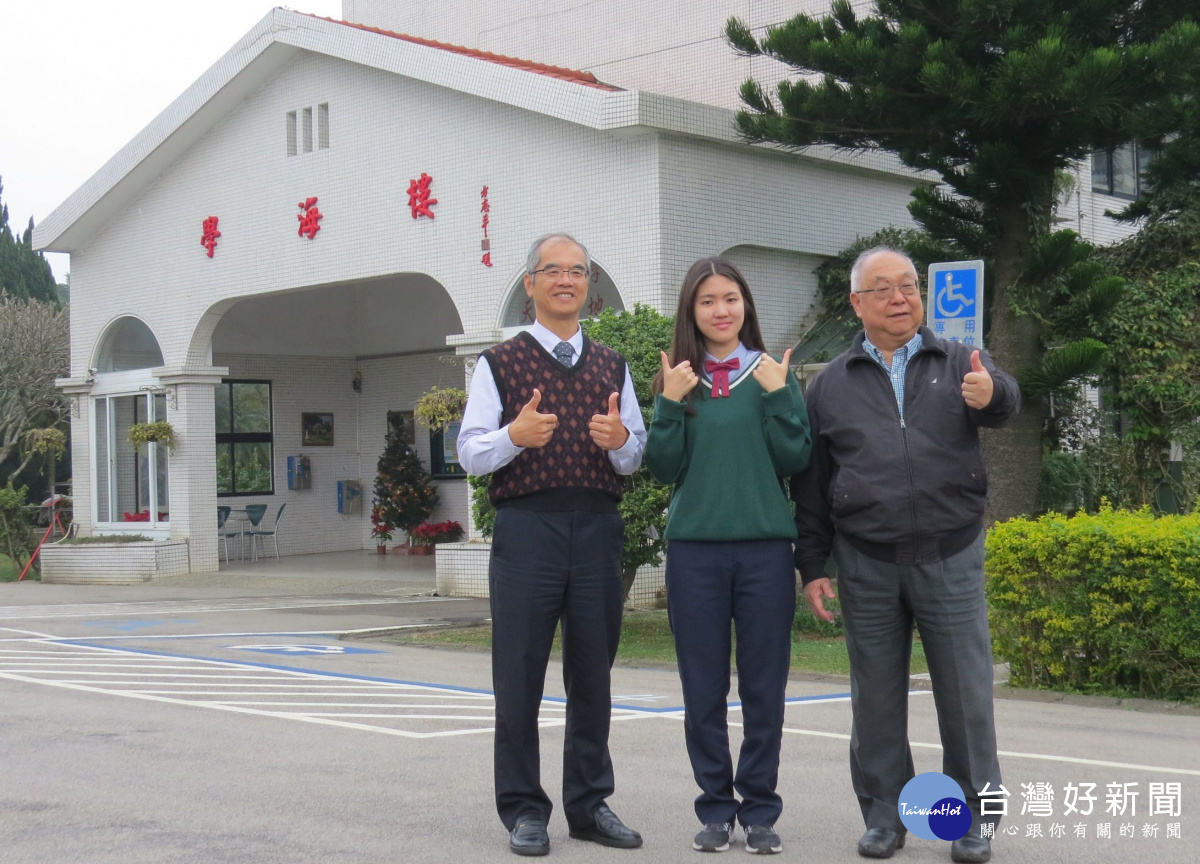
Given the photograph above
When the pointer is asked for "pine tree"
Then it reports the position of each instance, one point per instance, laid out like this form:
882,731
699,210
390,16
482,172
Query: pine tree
24,274
403,489
996,98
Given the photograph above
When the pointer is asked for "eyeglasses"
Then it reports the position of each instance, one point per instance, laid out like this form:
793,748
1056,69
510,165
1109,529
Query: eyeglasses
908,289
577,274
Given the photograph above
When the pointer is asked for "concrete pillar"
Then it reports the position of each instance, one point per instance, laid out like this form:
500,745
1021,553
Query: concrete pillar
77,390
193,464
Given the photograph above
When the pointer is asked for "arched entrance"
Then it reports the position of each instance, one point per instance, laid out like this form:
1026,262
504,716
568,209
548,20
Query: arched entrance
130,484
313,373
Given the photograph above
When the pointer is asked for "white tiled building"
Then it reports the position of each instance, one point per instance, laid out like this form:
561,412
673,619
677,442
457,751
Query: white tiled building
377,305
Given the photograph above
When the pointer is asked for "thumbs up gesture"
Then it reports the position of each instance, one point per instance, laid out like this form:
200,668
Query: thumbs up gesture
531,428
607,430
772,375
678,381
977,384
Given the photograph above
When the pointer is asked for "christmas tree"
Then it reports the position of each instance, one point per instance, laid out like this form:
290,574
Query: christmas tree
404,491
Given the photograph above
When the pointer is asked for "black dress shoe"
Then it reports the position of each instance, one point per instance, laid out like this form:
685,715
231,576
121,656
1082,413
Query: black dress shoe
971,849
880,843
529,837
607,830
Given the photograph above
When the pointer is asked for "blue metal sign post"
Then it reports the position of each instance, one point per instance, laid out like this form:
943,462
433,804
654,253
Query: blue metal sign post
955,304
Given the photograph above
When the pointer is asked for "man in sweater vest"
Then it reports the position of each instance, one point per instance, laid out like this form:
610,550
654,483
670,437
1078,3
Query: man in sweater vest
553,418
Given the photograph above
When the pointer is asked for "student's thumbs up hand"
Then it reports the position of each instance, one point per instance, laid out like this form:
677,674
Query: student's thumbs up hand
607,430
977,384
531,428
771,375
678,381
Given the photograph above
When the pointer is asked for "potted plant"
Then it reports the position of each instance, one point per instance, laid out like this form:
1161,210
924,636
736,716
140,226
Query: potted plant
159,432
428,534
404,491
439,407
381,529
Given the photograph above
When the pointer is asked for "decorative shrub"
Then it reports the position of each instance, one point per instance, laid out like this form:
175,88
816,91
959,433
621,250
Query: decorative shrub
1105,603
429,533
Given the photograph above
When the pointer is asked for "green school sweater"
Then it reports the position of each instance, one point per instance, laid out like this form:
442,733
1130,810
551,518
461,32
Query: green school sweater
726,460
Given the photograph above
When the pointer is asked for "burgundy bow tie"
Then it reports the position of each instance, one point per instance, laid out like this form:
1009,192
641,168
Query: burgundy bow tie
720,375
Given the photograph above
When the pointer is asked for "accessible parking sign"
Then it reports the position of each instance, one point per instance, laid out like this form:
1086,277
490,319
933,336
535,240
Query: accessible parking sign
956,301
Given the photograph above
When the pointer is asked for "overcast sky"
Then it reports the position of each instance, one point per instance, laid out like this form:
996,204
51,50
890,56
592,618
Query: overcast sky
83,77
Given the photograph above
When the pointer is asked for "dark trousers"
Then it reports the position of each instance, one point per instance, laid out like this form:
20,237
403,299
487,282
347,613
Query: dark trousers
880,604
752,584
546,567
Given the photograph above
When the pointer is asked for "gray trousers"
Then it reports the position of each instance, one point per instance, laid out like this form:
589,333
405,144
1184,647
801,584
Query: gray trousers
880,604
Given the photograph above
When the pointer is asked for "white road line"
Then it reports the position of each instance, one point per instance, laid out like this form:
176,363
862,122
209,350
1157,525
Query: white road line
398,702
343,704
142,636
1046,757
168,607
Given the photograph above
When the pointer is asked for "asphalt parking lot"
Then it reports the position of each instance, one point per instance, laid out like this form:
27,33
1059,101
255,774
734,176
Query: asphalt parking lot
232,721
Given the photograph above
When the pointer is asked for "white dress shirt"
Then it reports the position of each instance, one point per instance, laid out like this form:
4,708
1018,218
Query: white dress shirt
484,445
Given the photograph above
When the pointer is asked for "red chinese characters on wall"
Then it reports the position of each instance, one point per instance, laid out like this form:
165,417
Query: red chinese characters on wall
309,218
208,239
419,201
595,304
486,209
527,313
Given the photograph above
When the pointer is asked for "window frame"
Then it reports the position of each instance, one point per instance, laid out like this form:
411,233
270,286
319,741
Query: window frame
1137,154
231,439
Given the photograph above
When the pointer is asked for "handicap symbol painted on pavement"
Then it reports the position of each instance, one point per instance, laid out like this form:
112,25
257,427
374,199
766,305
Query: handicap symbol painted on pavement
305,650
954,293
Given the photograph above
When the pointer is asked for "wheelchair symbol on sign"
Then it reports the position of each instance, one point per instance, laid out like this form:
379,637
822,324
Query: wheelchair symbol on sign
953,300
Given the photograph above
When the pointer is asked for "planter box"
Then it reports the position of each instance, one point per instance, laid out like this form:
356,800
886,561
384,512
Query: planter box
462,571
113,563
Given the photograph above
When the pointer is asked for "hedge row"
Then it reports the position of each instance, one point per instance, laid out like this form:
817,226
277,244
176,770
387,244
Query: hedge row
1103,603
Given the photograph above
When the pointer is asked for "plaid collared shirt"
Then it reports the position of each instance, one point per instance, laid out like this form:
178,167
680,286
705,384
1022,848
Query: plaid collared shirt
895,372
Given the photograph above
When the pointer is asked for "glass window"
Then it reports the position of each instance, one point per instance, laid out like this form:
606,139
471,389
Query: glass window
128,344
131,482
1121,172
245,442
1101,172
1124,172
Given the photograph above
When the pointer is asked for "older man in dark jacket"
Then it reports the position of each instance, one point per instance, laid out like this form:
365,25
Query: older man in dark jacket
895,489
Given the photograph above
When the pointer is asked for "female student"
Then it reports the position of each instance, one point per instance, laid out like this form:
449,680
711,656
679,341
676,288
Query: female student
729,423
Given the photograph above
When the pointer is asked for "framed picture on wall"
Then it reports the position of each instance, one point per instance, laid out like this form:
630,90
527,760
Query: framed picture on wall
443,451
406,421
316,430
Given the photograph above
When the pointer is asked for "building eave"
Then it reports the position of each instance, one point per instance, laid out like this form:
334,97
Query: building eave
282,34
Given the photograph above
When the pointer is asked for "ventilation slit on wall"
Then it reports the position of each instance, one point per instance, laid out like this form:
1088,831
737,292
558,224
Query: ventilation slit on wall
291,133
308,119
323,126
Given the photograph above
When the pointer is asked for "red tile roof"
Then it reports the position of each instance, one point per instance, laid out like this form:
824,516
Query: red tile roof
572,75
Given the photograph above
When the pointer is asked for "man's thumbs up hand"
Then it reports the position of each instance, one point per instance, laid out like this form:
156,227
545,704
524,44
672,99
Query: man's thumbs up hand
531,428
977,384
607,430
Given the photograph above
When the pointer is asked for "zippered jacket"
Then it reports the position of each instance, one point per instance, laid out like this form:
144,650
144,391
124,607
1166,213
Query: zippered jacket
909,490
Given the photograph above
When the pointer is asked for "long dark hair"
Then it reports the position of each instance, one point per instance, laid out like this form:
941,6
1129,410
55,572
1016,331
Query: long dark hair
688,343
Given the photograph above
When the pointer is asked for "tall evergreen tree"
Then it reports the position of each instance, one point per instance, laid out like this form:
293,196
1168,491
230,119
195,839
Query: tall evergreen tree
24,274
996,97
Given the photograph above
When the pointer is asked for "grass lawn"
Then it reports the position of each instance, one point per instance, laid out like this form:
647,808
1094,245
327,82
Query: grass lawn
646,638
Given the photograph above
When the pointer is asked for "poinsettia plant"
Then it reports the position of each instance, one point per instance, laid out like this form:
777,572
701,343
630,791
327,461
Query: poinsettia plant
429,533
381,529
